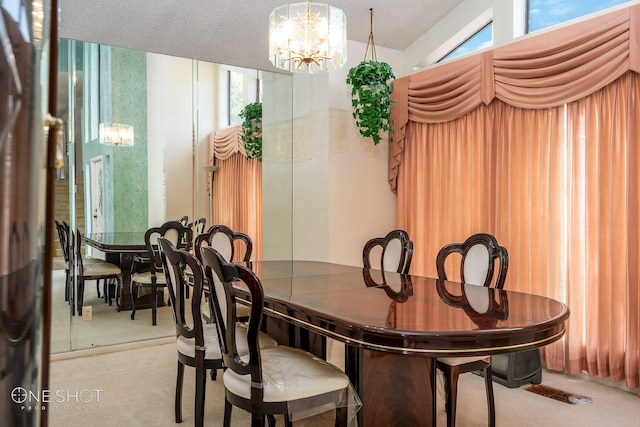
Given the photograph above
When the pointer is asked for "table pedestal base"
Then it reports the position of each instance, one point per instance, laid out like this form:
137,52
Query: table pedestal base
125,261
395,389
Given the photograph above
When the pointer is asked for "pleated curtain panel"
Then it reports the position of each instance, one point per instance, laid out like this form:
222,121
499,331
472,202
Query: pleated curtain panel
536,142
237,187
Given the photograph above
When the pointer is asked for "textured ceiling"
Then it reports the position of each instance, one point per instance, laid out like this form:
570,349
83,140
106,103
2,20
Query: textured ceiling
233,32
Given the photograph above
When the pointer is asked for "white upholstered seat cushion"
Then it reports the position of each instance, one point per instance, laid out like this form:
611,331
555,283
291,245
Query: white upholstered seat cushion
455,361
264,340
97,268
186,346
289,374
392,254
242,310
476,265
145,278
478,297
212,351
88,260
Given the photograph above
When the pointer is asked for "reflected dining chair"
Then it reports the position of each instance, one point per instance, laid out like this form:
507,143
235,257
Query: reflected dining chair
96,269
199,226
276,380
197,342
63,238
184,220
152,276
396,254
477,267
484,305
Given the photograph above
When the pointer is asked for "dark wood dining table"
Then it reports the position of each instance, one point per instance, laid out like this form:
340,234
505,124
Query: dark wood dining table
394,325
120,248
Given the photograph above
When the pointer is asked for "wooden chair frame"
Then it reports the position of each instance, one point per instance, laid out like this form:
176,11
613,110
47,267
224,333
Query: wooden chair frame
96,270
154,265
214,263
452,371
206,239
174,262
404,257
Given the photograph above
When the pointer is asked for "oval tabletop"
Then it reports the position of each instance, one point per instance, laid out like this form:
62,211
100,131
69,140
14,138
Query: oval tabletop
407,314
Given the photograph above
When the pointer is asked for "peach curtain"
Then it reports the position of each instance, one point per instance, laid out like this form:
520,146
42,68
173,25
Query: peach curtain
237,187
538,72
544,156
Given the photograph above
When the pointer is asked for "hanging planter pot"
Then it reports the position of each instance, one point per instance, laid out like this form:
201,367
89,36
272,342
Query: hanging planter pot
252,130
371,87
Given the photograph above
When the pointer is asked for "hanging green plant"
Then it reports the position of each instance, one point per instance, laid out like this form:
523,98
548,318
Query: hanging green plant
252,130
371,87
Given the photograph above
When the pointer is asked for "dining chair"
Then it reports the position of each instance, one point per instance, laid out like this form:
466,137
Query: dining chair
184,220
198,228
152,275
477,267
96,269
224,240
63,238
396,254
197,341
63,228
277,380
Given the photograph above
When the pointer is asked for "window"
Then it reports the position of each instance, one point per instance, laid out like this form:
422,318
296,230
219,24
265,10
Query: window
236,98
480,40
243,88
545,13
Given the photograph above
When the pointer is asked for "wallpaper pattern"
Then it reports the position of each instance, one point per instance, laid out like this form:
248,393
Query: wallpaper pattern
125,167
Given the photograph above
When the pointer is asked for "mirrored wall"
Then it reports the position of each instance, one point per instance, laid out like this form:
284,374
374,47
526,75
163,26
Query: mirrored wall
173,105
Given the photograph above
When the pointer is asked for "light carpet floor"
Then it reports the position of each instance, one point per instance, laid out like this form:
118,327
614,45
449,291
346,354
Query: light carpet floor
107,326
137,389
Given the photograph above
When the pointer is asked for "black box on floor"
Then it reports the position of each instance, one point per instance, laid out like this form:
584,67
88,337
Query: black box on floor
515,369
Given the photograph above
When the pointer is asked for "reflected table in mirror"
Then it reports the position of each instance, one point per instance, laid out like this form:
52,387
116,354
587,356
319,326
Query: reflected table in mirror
121,248
394,325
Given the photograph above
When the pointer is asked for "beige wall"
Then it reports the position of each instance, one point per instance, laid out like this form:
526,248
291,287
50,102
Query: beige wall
156,82
172,99
341,194
277,178
169,137
325,189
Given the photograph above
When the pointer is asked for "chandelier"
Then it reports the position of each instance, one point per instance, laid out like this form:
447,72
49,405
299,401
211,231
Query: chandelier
115,133
307,37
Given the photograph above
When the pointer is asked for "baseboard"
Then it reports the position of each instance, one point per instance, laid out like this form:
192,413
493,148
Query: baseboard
111,348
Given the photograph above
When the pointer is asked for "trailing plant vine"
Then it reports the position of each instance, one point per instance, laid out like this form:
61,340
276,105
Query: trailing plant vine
252,130
371,87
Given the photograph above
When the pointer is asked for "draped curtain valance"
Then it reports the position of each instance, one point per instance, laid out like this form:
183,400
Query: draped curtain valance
542,71
224,143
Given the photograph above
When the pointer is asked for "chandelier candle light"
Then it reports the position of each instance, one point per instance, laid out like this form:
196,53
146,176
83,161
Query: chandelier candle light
115,133
308,37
